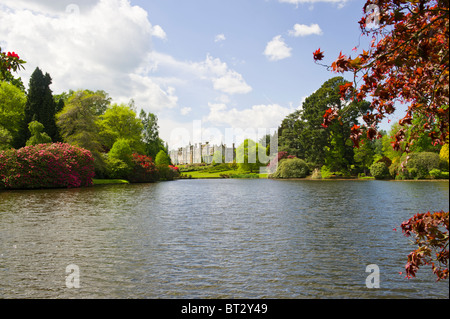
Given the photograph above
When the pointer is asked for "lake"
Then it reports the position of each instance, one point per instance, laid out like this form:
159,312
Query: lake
224,238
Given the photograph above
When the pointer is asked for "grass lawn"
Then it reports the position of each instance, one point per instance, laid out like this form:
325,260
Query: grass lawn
109,181
205,174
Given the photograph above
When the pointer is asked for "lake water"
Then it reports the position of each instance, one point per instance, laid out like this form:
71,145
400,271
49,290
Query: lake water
216,239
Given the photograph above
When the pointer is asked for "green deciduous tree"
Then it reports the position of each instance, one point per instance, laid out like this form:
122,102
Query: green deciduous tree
12,110
289,135
120,121
38,136
97,101
77,124
248,156
153,143
303,135
5,139
162,159
121,150
364,155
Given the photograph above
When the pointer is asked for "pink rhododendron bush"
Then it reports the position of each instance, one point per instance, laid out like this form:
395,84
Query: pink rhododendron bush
46,166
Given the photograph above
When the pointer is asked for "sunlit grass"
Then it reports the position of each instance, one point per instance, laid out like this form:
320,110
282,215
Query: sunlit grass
109,181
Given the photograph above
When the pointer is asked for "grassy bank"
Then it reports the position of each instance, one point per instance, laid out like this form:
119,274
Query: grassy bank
224,174
109,181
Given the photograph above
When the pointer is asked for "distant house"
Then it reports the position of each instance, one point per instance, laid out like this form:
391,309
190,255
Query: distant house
202,153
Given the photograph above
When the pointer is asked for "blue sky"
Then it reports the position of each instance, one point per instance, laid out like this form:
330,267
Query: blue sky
209,64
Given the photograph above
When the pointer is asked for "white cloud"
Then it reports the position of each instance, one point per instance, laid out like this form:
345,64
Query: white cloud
231,83
103,45
301,30
258,116
158,32
220,37
186,110
211,69
297,2
277,49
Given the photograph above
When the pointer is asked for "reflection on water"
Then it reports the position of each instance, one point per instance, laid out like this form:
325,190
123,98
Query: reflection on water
215,239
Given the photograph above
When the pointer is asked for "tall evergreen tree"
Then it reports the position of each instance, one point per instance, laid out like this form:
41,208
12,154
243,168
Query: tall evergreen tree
40,106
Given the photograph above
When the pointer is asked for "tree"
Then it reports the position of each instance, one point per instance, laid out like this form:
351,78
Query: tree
97,101
77,124
364,155
162,159
119,121
218,157
12,110
289,134
153,143
121,150
444,155
40,106
303,135
432,241
407,62
291,168
38,136
5,139
247,156
120,160
379,170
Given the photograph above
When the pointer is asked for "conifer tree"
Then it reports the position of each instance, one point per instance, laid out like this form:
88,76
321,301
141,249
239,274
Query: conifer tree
40,107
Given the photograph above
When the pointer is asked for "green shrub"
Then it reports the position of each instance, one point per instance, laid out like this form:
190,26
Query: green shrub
38,136
420,164
291,168
144,170
379,170
325,172
117,169
166,173
438,174
5,139
162,158
121,150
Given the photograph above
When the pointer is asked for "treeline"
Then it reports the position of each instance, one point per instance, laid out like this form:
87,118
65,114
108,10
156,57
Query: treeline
329,152
113,133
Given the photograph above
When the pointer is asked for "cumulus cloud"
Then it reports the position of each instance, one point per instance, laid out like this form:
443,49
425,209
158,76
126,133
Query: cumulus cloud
92,45
301,30
277,49
159,32
220,37
186,110
297,2
258,116
211,69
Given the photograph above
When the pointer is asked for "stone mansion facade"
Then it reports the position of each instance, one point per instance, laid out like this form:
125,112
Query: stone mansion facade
202,153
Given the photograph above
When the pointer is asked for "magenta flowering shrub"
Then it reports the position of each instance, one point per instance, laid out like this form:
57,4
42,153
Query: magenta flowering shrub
46,166
144,170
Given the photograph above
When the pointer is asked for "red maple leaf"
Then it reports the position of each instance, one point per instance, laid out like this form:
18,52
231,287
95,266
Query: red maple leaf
318,55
